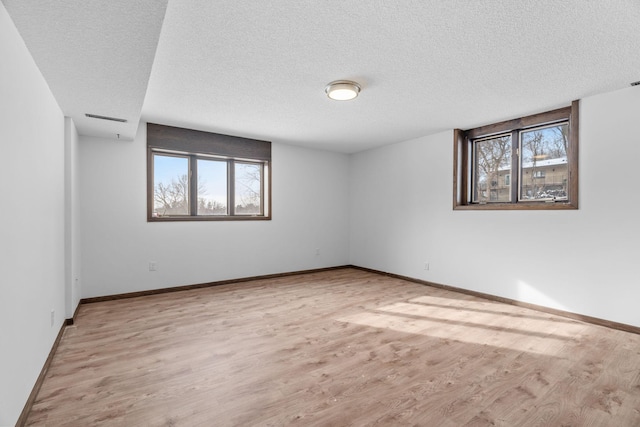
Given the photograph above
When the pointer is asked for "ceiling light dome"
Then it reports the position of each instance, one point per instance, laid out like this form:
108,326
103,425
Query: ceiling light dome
342,90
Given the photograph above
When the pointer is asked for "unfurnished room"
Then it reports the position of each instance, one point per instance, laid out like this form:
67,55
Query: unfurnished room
305,213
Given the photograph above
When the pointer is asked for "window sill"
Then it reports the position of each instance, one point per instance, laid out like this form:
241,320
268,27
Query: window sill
520,206
208,218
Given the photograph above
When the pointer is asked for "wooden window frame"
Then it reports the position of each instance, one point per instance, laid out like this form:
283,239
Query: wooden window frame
194,145
462,161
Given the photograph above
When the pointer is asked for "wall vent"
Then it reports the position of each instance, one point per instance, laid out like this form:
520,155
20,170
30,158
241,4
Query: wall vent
113,119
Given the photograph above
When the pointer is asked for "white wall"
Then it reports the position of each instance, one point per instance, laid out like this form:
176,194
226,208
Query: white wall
31,221
310,210
582,261
72,218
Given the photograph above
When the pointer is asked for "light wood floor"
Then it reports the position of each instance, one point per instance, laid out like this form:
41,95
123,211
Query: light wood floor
338,348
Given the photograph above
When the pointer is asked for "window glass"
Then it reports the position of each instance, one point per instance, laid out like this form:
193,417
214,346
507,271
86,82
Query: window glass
543,163
171,185
248,185
526,163
491,165
212,187
201,176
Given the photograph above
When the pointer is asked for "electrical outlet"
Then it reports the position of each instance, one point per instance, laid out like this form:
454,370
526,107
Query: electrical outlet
317,251
53,317
426,266
153,266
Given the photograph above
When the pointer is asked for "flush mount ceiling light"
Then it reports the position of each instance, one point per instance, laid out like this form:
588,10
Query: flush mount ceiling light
342,90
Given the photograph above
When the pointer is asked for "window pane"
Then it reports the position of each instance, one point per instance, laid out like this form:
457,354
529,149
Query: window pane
491,166
212,187
248,188
543,167
170,185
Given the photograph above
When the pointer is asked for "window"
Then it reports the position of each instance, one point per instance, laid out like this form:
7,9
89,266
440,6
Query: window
200,176
525,163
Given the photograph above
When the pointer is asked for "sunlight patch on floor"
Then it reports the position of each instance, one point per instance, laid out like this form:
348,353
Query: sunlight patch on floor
459,300
471,321
485,306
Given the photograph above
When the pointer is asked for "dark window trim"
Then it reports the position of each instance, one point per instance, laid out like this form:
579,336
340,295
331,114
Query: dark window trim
462,160
195,144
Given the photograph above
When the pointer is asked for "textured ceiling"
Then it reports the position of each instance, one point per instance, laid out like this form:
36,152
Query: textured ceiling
96,56
259,68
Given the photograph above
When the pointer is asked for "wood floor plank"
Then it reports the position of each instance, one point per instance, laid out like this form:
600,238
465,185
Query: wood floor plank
337,348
